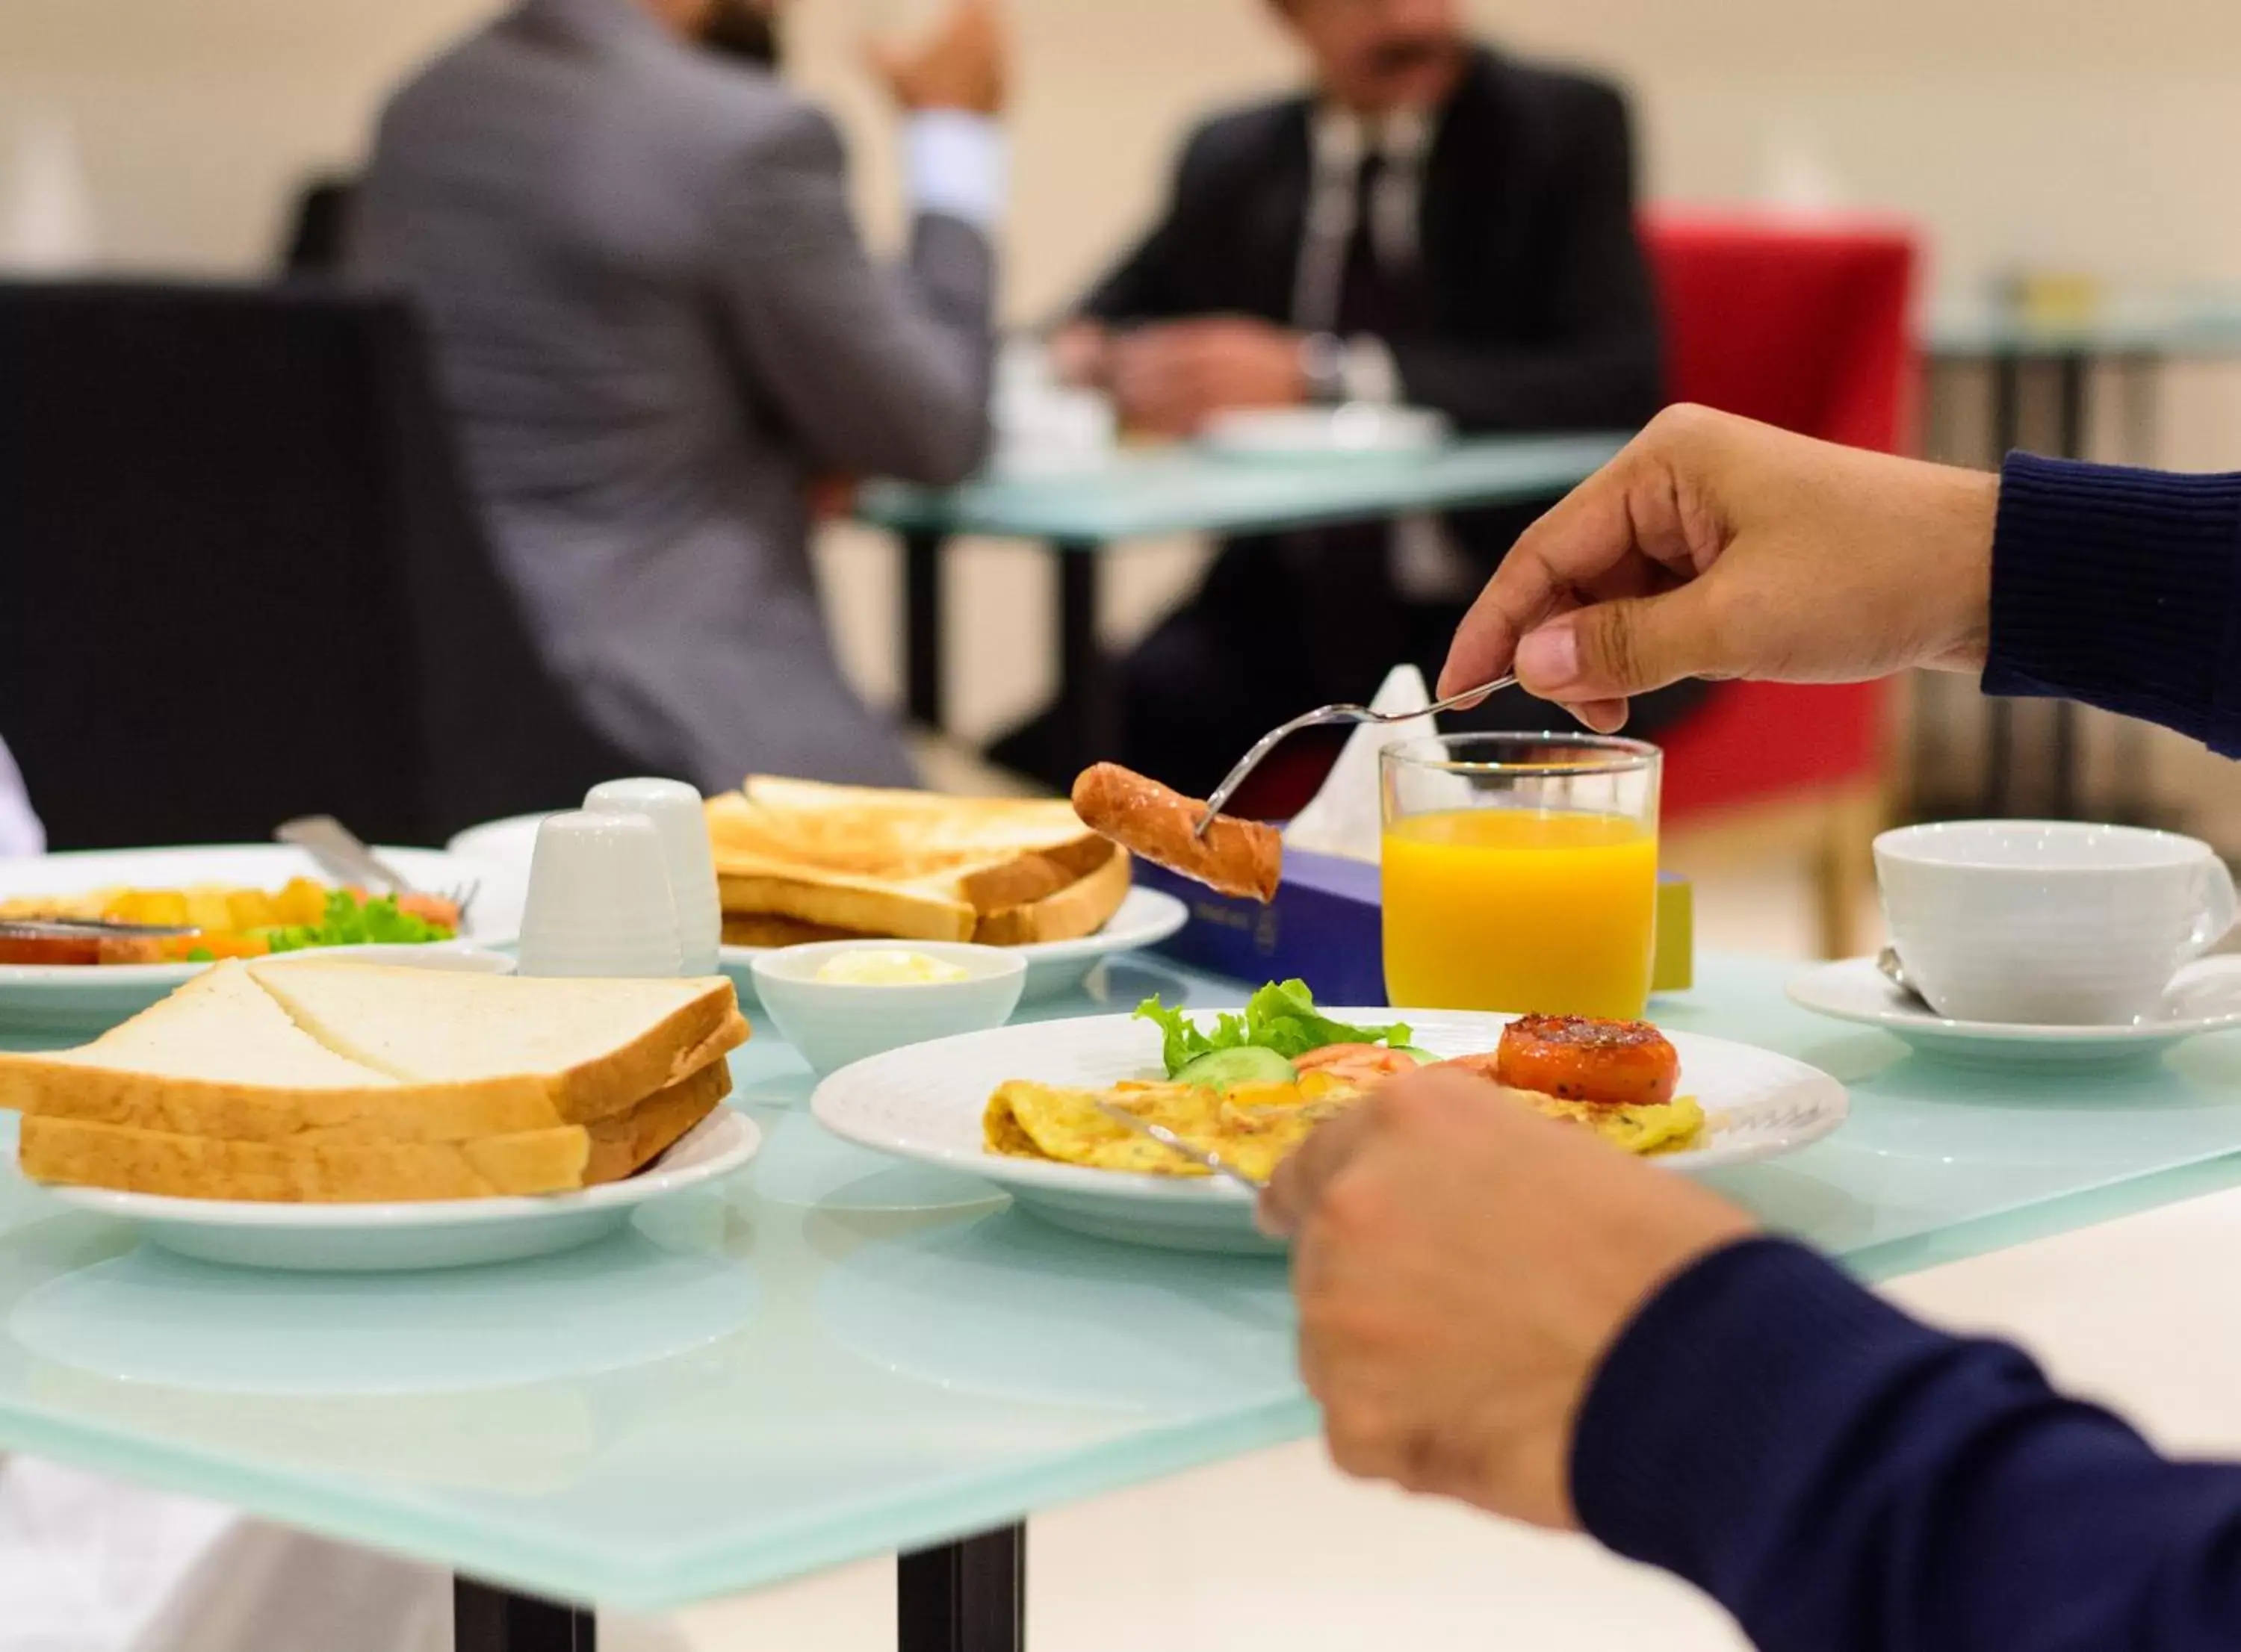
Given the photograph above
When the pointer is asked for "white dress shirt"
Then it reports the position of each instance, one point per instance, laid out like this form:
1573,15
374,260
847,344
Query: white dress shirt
1426,567
956,163
20,832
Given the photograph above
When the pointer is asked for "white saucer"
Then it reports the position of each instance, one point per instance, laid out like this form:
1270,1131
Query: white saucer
419,1233
2204,997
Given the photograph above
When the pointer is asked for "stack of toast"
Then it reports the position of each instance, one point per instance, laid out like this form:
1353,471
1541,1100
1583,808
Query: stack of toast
800,860
332,1082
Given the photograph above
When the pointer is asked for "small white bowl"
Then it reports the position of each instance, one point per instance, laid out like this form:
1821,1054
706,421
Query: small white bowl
834,1023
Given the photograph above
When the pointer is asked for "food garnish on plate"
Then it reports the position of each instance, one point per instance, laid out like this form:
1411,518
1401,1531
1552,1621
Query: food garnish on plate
322,1080
800,860
231,921
1252,1086
1233,857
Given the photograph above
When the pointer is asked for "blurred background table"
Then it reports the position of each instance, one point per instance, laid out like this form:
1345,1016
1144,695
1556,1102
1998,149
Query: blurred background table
1136,494
2042,374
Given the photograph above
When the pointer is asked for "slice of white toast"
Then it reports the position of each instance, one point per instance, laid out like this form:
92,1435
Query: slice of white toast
334,1054
319,1169
912,865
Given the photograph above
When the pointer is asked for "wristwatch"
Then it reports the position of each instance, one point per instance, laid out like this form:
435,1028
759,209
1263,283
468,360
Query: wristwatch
1323,366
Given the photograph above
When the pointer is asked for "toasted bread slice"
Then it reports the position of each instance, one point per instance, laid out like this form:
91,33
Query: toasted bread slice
591,1047
911,864
1081,908
768,929
222,1057
562,1158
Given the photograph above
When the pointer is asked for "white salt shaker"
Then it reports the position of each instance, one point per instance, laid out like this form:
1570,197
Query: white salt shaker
599,900
679,815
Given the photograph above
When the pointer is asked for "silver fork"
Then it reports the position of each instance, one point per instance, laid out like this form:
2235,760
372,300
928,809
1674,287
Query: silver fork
1316,718
345,855
1173,1143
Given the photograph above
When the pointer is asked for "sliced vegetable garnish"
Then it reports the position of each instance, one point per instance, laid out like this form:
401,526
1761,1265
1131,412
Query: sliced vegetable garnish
1282,1016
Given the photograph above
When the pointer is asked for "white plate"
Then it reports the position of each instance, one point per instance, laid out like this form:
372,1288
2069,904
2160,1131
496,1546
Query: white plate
2204,997
1145,918
70,1004
430,1232
1320,435
926,1102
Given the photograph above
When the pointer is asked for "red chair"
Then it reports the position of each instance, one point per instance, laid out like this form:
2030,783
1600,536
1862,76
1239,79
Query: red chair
1804,326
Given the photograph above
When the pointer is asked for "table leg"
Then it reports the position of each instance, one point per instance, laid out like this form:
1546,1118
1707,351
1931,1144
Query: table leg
1088,702
1997,794
2071,438
2135,802
922,629
487,1619
970,1596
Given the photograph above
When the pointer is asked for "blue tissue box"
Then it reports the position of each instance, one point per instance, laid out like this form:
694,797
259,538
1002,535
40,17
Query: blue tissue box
1325,927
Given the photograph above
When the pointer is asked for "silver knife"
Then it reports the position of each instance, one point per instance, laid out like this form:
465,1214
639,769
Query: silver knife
89,929
1167,1138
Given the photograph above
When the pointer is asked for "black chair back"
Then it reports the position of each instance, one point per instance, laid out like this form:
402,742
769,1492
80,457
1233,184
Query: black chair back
240,578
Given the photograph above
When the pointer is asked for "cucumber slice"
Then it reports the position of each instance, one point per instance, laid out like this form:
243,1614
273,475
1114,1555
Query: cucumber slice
1227,1069
1424,1057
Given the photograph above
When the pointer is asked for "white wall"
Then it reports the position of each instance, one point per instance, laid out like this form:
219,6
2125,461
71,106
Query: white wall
2106,137
2080,133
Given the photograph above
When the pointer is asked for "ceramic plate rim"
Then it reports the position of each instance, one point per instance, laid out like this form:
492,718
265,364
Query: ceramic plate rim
1163,915
1212,1191
1896,1018
733,1138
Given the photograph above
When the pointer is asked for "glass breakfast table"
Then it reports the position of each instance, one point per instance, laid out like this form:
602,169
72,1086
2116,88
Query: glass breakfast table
1137,493
834,1356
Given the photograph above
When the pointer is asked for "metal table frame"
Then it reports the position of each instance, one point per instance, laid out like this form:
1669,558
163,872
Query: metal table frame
968,1595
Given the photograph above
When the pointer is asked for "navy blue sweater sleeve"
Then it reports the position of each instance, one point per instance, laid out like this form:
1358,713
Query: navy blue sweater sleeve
1843,1478
2121,588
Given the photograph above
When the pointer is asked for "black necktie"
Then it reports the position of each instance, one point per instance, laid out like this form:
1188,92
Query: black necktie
1371,299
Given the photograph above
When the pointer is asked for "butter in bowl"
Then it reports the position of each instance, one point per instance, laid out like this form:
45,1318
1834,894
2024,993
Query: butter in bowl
838,1002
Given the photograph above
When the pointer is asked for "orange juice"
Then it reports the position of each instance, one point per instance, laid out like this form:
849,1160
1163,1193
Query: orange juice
1521,909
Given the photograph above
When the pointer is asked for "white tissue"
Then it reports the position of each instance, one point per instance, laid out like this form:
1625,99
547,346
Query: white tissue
1342,818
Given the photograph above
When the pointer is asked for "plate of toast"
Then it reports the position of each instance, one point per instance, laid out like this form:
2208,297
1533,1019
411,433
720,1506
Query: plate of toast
320,1114
802,861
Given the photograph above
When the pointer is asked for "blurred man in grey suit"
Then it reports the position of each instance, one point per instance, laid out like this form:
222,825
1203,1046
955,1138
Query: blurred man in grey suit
657,327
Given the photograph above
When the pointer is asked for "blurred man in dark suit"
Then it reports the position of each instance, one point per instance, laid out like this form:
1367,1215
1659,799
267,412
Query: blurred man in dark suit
1431,224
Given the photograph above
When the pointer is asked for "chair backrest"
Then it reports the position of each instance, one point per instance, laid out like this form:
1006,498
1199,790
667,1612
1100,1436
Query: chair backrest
318,227
1798,326
240,578
1807,327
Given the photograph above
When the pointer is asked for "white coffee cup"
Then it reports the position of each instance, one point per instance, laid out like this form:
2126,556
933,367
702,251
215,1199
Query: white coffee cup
2049,922
681,816
599,898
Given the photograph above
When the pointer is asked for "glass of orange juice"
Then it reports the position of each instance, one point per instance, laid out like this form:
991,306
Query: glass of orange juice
1520,873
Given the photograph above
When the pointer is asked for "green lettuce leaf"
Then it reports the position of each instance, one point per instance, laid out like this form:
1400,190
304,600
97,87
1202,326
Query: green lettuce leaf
1282,1016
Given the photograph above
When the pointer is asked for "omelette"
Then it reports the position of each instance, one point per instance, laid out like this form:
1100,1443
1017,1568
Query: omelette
1256,1127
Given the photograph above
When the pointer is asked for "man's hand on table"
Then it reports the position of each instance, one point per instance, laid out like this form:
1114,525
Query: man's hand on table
1170,378
1461,1264
1716,547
